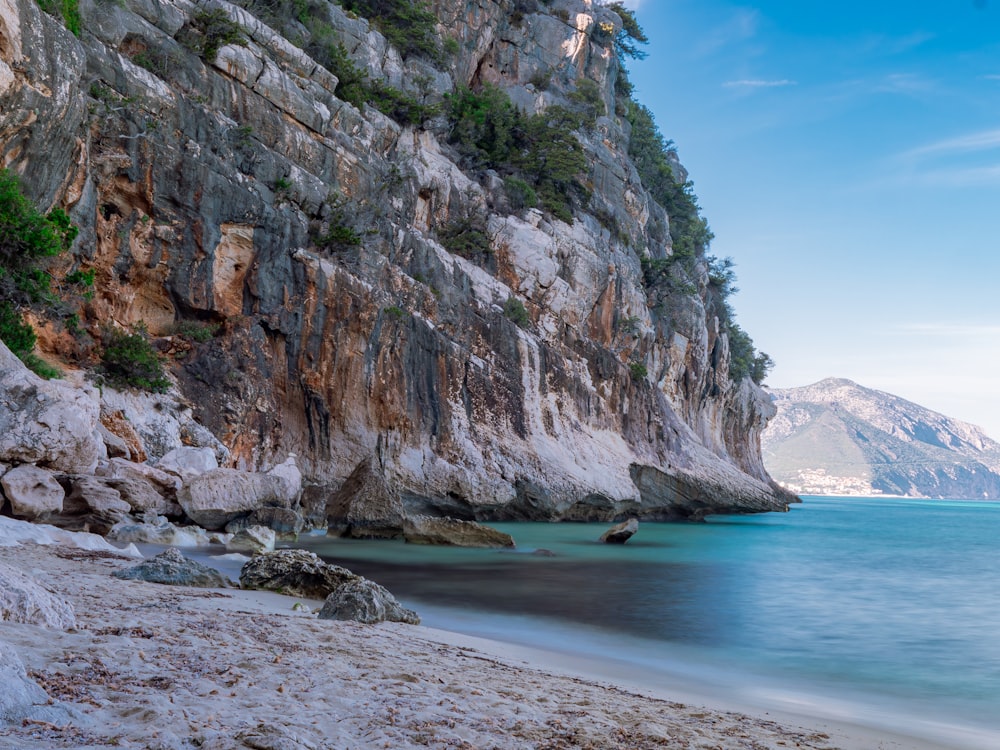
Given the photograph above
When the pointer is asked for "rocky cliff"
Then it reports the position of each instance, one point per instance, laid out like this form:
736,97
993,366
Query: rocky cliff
222,180
836,437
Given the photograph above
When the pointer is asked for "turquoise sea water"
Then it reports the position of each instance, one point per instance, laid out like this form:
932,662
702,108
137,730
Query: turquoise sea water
887,609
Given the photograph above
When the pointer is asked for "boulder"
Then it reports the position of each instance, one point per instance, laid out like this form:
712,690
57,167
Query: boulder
252,539
144,496
453,532
365,601
119,468
114,445
284,521
34,493
158,530
187,462
22,599
295,572
172,568
620,533
217,497
46,422
366,507
22,699
90,505
291,478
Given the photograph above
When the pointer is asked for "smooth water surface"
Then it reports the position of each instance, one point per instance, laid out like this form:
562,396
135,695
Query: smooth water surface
878,602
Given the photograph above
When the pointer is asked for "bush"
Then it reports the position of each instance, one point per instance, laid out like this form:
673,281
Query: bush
638,370
27,238
540,150
129,360
67,10
196,330
338,234
14,332
586,98
215,30
520,194
515,311
466,237
27,235
409,26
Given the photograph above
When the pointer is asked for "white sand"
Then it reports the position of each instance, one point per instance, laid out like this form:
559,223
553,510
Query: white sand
161,667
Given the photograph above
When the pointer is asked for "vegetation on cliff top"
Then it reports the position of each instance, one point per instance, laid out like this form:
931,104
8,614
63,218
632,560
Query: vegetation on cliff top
653,156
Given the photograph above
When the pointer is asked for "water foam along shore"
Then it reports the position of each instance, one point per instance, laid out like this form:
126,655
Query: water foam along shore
164,668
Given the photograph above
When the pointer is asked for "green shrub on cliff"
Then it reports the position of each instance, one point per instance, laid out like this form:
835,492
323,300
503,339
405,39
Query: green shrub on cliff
27,238
540,150
128,360
67,10
410,27
214,29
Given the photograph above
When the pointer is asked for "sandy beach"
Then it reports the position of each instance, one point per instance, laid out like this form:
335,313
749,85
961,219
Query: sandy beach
165,668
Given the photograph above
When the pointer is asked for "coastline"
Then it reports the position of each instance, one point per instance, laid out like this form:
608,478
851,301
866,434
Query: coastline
154,666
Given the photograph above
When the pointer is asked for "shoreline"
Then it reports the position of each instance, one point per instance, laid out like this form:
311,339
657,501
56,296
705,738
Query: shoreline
153,666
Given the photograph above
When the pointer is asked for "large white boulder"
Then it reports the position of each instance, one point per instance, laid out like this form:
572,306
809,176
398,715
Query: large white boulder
291,477
34,493
188,462
217,497
46,422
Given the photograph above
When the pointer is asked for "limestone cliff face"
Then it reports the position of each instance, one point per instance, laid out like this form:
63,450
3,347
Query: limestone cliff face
199,186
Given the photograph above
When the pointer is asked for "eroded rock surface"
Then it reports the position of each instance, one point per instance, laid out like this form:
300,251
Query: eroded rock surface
200,187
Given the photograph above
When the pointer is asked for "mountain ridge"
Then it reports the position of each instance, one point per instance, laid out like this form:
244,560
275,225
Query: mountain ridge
838,437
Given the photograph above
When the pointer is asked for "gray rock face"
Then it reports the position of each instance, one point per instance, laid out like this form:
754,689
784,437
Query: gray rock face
181,214
294,572
172,568
22,599
452,532
215,498
365,601
34,493
366,506
620,533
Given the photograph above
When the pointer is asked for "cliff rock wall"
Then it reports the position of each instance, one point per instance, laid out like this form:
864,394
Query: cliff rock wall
200,187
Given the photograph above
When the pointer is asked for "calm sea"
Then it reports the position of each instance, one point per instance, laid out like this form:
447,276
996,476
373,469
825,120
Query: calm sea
878,610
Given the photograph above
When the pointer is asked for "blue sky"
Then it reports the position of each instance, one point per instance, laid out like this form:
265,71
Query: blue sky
847,157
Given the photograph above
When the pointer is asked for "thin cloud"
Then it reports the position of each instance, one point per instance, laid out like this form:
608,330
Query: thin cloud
741,26
973,330
756,83
904,83
985,140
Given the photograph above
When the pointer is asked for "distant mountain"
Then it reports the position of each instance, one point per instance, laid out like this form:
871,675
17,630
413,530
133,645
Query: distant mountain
836,437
